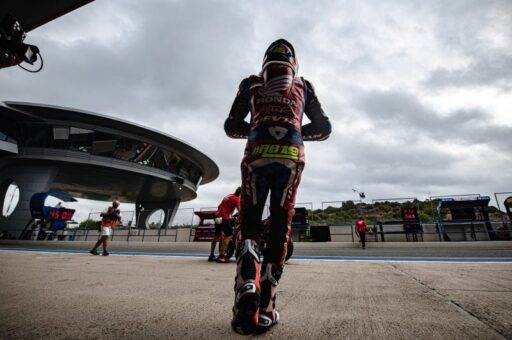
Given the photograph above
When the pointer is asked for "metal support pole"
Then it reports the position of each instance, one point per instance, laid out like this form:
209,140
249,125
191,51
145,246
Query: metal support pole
381,232
497,202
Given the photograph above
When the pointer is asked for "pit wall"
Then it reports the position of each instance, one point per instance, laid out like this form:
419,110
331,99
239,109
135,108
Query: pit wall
341,233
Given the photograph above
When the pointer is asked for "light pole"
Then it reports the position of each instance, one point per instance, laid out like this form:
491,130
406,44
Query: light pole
361,194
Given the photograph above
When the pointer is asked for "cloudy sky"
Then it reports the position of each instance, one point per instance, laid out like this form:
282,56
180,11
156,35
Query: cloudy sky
419,92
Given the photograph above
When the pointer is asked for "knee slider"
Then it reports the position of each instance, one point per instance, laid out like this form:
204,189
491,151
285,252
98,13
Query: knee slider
248,260
249,250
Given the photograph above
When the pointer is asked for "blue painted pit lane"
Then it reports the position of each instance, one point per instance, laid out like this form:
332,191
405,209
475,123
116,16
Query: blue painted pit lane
375,259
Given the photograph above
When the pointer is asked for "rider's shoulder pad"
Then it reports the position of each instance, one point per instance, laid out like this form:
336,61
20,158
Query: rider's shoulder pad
246,83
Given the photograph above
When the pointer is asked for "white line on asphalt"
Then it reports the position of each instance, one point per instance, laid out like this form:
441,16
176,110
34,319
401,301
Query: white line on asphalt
462,260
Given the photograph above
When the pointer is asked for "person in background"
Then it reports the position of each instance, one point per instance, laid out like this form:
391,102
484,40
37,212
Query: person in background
361,230
224,224
109,220
36,228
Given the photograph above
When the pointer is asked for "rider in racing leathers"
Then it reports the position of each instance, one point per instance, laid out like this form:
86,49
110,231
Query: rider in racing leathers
273,162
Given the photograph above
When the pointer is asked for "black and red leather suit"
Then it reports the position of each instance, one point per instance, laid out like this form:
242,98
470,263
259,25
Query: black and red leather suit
273,163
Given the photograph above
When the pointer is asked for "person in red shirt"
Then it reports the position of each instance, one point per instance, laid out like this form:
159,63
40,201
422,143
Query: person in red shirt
224,224
361,230
109,220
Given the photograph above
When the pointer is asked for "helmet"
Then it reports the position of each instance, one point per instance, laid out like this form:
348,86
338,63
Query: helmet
281,52
115,203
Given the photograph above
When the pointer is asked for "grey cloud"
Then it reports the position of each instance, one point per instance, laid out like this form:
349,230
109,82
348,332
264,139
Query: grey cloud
175,66
496,70
407,115
480,32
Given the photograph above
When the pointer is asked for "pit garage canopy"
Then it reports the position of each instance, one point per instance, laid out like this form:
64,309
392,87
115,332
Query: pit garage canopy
34,13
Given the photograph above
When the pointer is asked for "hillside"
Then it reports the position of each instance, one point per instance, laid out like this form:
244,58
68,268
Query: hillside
379,211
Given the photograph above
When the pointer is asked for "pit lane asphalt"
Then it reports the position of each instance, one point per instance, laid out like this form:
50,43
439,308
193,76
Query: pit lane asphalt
499,251
58,295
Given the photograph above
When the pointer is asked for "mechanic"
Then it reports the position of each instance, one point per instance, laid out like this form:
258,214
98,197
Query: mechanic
109,220
273,162
361,230
224,225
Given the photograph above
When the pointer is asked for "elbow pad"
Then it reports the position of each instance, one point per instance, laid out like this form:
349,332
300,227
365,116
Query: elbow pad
318,131
235,129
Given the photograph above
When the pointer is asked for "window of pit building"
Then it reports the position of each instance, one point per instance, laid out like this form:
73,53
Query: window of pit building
6,138
11,197
61,133
80,139
38,135
188,171
72,138
160,160
104,144
174,161
43,135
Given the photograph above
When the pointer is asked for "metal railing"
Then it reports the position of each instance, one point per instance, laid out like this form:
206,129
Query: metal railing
128,235
445,231
453,231
351,233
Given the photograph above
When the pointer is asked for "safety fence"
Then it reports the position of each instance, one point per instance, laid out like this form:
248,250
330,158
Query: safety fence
425,232
128,235
327,213
184,217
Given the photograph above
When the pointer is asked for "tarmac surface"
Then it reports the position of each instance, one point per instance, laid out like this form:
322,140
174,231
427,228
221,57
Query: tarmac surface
65,293
386,251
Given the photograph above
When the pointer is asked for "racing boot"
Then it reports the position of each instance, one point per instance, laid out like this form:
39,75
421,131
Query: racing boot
222,259
268,316
247,289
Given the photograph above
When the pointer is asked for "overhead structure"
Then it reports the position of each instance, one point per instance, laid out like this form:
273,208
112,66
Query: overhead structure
18,17
97,157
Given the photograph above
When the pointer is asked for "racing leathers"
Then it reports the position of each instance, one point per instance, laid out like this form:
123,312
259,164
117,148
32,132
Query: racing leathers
273,162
